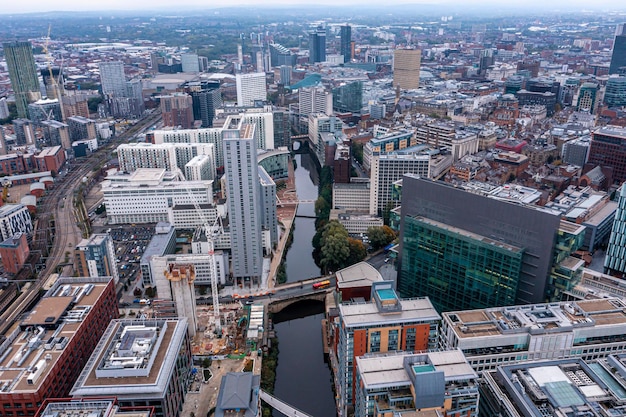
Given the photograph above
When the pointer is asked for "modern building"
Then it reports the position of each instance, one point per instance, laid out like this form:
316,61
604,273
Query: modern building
124,99
615,93
200,168
141,363
24,132
406,68
163,243
190,62
44,109
177,110
444,135
356,223
14,218
348,98
608,149
425,384
587,97
146,195
244,203
317,46
385,324
576,151
493,337
14,251
316,99
180,279
618,58
103,407
4,108
386,140
56,134
239,395
112,78
267,193
205,101
75,105
615,261
81,128
466,250
345,48
23,75
275,162
251,88
279,56
201,263
43,354
354,195
95,257
192,136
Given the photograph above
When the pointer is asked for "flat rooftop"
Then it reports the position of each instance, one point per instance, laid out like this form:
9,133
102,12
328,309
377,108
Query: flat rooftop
414,310
90,408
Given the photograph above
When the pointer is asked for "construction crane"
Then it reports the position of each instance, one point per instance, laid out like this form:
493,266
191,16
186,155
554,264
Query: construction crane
209,230
55,84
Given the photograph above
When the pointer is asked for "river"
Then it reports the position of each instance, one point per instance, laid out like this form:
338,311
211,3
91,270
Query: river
303,379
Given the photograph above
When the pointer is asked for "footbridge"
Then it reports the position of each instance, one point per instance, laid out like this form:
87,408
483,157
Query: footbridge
282,406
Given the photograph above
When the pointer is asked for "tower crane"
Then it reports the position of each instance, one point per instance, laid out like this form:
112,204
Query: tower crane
55,84
209,230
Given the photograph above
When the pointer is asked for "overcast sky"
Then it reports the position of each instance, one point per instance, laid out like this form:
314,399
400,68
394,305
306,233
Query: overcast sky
27,6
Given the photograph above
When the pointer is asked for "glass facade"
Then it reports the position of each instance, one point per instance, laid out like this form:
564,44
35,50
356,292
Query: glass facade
456,269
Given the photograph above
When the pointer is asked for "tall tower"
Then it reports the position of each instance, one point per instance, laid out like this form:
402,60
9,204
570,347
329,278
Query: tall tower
615,261
251,88
113,79
618,59
317,46
244,204
23,74
181,278
346,43
406,68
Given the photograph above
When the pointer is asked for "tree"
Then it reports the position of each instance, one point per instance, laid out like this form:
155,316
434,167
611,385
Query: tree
335,248
380,236
357,151
358,251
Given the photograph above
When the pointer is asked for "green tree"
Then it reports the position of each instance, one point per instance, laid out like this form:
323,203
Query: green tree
358,251
335,248
380,236
357,151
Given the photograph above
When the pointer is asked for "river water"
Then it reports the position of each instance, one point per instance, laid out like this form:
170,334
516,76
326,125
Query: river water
303,379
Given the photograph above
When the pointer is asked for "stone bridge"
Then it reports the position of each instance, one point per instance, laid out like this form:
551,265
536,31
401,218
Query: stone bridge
277,304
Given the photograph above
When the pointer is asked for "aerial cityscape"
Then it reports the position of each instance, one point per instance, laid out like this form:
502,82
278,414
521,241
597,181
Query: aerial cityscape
344,209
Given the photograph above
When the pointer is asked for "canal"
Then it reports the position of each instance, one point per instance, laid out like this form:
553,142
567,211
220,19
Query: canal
303,378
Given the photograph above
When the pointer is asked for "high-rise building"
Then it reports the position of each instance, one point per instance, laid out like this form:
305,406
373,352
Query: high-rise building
315,100
177,110
244,203
14,218
385,324
24,133
348,98
285,74
205,101
317,46
615,93
615,261
4,108
23,75
75,105
112,79
181,277
346,43
587,97
279,56
251,88
81,128
268,204
406,68
190,62
56,133
95,257
618,59
608,149
44,109
466,250
124,99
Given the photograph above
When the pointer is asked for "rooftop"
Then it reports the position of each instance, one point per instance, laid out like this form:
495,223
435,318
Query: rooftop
414,310
361,274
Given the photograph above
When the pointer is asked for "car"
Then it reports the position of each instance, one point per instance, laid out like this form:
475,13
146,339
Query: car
386,260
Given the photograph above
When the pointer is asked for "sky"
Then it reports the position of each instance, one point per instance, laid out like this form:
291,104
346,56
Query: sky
27,6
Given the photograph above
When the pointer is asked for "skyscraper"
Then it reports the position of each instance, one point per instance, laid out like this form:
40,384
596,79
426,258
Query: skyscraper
406,68
618,59
615,94
190,62
251,88
113,79
244,203
346,43
615,261
608,149
317,46
23,74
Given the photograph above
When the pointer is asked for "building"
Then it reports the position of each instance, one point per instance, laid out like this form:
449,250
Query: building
180,279
251,88
576,151
14,218
406,68
342,164
279,56
205,101
587,97
267,193
315,99
75,105
147,195
51,159
615,93
355,282
14,252
348,98
354,195
618,57
192,136
44,109
112,79
493,337
177,110
485,250
43,354
103,407
24,132
345,48
163,243
441,383
608,149
443,135
317,46
81,128
124,98
95,257
190,62
385,324
244,204
23,75
239,395
615,261
56,134
356,223
4,108
141,363
200,168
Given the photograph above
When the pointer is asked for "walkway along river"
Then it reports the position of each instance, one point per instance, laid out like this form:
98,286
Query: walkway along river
303,379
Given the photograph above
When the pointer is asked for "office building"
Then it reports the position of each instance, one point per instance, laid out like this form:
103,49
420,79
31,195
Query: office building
493,337
42,356
244,203
354,195
618,57
615,93
608,149
251,88
141,363
482,250
348,98
56,134
317,46
406,68
102,407
285,75
555,388
426,384
177,110
23,75
14,218
4,108
24,132
267,193
112,79
384,324
95,257
315,100
239,395
345,48
146,195
279,56
14,252
356,223
587,97
282,128
615,261
576,151
190,62
170,156
81,128
205,102
44,109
